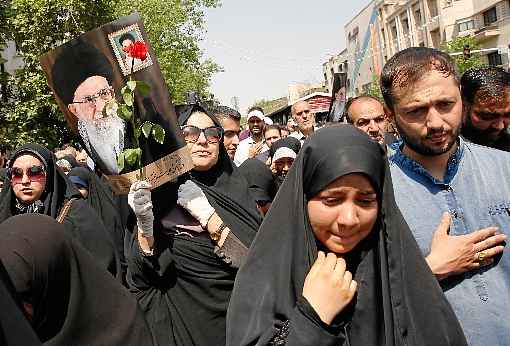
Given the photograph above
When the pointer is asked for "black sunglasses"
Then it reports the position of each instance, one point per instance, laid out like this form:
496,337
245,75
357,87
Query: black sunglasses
212,134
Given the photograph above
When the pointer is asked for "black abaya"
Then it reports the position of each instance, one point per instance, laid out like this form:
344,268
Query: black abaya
398,301
102,200
74,301
82,222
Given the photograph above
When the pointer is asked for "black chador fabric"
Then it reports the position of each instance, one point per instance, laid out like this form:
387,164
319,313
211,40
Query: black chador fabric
184,287
81,221
398,301
74,301
260,180
101,199
15,330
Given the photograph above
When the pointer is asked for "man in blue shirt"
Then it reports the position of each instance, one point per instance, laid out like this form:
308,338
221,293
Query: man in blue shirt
439,178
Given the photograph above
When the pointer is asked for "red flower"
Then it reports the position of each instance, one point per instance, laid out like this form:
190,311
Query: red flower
137,50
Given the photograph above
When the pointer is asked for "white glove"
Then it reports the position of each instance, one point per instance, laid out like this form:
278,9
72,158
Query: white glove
192,198
139,199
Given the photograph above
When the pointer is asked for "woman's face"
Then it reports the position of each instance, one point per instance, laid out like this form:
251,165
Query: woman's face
344,212
203,154
28,183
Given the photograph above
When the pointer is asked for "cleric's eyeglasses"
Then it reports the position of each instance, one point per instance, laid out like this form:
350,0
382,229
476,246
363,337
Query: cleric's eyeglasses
105,94
34,173
212,134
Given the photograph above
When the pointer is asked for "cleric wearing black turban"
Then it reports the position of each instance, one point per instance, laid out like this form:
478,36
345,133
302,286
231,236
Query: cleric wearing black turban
82,78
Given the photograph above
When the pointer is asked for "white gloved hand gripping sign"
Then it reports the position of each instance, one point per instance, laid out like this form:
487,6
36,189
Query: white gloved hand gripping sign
139,199
191,197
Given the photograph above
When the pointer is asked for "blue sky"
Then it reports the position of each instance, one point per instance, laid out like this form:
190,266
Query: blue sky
263,46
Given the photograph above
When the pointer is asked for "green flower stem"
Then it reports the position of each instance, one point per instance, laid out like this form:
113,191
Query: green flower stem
135,126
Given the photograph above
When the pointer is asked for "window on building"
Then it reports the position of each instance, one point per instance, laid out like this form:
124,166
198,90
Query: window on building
490,16
468,25
494,59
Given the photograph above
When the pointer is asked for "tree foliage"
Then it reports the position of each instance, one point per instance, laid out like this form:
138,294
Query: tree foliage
375,88
457,45
37,26
175,27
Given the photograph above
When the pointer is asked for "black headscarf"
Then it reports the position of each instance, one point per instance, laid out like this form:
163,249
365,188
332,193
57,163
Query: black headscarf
81,222
398,302
260,180
75,302
226,188
58,188
15,329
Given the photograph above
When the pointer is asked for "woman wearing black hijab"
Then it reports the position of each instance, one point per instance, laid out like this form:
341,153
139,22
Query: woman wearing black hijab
260,183
372,288
281,155
36,185
189,244
68,298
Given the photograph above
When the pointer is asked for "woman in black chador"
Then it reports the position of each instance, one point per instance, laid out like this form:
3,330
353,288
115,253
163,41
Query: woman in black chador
334,262
36,185
65,295
191,238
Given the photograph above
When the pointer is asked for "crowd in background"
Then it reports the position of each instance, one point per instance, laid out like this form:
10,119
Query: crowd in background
386,228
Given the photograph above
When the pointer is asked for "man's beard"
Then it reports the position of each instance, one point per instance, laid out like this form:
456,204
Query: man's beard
104,139
417,145
475,135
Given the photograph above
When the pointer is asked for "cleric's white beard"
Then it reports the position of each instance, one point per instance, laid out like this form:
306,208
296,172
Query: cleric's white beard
106,137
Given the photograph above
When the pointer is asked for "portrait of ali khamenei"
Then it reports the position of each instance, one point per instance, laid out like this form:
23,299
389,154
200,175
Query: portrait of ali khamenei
82,78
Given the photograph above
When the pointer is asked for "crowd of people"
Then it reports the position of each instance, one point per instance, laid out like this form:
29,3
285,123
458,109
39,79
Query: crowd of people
387,229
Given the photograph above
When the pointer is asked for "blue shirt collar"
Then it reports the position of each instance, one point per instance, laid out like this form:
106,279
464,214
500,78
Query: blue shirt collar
409,164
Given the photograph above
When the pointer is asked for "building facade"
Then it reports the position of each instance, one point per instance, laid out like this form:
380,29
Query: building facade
385,27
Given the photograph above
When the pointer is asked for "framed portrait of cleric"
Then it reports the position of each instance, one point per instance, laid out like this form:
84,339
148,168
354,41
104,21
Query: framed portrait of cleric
88,78
121,41
337,106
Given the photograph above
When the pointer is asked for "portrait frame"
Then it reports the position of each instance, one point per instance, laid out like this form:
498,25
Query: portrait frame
120,55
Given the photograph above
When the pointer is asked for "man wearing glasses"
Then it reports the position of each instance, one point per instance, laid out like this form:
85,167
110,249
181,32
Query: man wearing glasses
305,119
82,78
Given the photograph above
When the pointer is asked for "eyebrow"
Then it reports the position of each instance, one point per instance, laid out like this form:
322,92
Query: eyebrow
418,104
362,192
